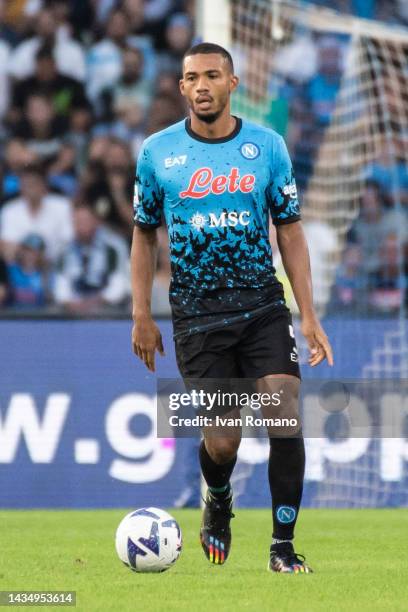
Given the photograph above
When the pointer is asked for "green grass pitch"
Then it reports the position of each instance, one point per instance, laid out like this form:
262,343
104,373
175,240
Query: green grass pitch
360,558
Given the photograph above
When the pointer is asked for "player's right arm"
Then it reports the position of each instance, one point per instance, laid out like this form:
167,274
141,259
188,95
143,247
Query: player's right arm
146,337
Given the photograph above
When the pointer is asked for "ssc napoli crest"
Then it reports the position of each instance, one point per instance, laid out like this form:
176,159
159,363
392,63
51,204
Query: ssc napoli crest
286,514
249,150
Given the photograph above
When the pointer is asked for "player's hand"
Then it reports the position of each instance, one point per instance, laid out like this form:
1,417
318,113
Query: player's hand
146,339
317,341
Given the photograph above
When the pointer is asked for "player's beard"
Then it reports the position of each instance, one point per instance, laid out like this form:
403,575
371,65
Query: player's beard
210,117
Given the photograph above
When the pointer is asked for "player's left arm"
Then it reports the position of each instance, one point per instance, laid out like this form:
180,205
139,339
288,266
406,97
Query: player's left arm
295,257
285,212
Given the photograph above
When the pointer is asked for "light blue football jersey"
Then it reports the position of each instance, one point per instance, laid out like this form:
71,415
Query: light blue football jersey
217,196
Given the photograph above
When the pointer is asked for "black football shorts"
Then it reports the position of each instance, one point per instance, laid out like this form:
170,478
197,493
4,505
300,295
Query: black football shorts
248,349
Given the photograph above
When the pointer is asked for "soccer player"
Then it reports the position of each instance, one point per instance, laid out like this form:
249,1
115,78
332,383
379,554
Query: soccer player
217,179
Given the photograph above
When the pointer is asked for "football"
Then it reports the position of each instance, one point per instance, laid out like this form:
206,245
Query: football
148,540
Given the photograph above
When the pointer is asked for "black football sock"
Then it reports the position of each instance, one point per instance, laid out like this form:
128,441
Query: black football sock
216,475
286,472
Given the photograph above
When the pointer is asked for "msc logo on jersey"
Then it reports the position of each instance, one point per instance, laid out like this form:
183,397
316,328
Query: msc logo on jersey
286,514
204,182
225,219
249,150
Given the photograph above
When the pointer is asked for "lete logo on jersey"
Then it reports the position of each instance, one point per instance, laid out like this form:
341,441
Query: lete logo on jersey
203,182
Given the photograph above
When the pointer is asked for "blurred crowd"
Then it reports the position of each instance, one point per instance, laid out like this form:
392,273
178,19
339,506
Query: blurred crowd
294,90
83,82
388,11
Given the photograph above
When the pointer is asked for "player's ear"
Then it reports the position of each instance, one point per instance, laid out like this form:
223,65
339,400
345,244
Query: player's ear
234,82
181,85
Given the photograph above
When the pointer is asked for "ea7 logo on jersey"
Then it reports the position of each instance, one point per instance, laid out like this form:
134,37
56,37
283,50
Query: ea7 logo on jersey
291,191
179,160
203,182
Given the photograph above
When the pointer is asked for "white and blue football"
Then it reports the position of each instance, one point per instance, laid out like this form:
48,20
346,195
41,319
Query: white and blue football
148,540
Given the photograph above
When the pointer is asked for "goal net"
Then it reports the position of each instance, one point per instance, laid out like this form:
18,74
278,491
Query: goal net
336,88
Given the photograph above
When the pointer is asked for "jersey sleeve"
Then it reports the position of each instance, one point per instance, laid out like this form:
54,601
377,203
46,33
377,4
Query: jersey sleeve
283,198
148,200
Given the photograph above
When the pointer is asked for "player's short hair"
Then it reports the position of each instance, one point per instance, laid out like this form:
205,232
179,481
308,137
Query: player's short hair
206,49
